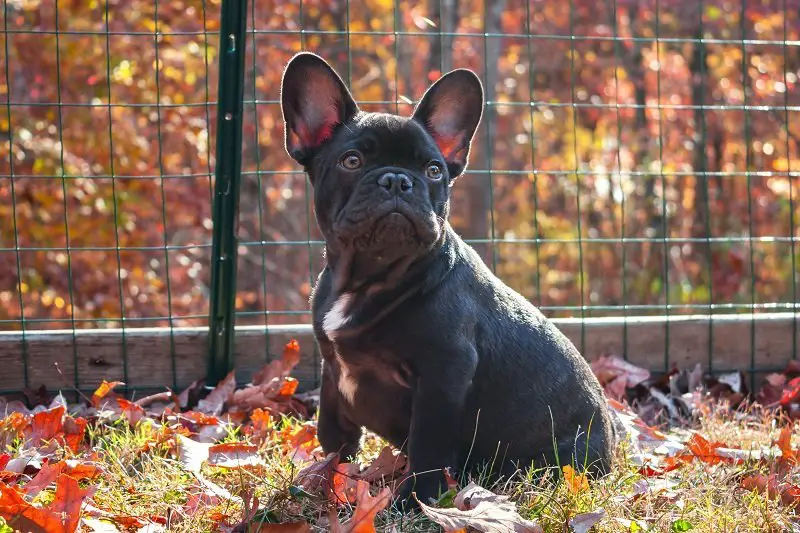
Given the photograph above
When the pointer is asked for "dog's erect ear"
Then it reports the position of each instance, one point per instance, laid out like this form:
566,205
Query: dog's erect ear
314,101
450,111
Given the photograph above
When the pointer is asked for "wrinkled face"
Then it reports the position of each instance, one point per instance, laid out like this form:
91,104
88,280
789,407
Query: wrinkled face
381,182
382,186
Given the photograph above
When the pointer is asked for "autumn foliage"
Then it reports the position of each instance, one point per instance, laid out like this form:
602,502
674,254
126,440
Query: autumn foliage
109,137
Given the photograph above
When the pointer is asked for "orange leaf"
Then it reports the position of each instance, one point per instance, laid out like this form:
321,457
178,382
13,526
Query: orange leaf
62,516
68,501
46,425
289,387
103,390
784,442
705,450
575,482
344,483
367,508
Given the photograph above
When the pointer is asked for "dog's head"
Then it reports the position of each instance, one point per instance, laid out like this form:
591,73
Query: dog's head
381,182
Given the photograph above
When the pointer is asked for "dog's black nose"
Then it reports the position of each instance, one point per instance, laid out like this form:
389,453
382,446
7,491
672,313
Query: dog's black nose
395,182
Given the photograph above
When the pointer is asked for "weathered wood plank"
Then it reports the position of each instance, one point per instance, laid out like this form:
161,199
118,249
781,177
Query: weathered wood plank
159,357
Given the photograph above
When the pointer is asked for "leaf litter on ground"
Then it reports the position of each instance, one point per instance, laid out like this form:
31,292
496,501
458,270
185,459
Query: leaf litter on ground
247,459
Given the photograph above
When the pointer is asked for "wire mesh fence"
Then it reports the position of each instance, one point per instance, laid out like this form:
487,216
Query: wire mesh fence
635,157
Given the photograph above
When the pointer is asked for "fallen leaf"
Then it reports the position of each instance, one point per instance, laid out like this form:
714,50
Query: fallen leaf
773,486
61,516
234,455
189,397
216,399
317,478
366,509
387,465
192,454
47,475
704,449
583,522
575,482
104,390
487,512
789,456
132,412
344,485
791,392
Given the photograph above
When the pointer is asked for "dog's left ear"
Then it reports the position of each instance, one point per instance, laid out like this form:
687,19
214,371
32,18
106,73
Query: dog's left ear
450,111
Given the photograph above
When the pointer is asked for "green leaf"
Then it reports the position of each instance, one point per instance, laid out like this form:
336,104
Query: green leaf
681,525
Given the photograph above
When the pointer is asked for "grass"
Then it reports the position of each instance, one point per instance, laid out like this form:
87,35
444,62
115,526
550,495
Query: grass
144,479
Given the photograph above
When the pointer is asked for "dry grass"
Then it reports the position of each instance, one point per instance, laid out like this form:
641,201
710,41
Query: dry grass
706,497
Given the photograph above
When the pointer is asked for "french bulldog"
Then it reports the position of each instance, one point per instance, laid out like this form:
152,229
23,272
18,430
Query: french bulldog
422,344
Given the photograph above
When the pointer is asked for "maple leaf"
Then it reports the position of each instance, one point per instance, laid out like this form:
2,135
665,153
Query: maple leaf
366,509
104,390
480,510
317,477
705,450
61,516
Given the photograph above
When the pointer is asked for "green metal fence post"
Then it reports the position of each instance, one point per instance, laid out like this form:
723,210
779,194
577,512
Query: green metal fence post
226,191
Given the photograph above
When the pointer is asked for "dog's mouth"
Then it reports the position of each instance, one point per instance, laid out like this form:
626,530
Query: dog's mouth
394,225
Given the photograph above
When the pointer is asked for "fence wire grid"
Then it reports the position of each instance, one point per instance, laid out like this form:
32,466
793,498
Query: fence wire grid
636,157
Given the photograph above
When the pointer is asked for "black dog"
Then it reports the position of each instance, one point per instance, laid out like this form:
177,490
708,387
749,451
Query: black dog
422,344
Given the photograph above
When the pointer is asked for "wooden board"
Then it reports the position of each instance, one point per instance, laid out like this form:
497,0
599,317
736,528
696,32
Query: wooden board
147,358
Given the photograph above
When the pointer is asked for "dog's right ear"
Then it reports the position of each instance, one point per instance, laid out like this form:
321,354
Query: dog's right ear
314,102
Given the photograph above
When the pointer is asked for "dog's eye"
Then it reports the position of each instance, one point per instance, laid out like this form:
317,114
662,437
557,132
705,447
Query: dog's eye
434,171
351,161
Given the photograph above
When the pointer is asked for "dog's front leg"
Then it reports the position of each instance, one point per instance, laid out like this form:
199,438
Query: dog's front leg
336,432
439,395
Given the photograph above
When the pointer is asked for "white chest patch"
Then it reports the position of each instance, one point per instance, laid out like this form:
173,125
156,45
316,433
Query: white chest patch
336,317
347,382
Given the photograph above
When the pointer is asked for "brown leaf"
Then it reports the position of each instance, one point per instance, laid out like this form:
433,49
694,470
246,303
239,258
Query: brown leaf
215,401
387,465
317,478
772,485
482,511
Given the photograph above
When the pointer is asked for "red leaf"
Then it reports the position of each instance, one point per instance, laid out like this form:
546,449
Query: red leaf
791,392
